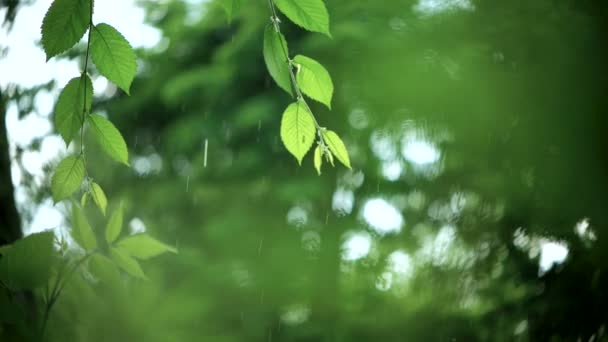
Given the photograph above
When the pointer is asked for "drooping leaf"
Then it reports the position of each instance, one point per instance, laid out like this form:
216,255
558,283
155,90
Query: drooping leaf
109,138
297,129
309,14
104,269
70,109
84,199
127,263
67,177
314,80
64,24
318,159
99,197
231,7
114,225
29,261
143,246
81,230
275,57
337,147
113,56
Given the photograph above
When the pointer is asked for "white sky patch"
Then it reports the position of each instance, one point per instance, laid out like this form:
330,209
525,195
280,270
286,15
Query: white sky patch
356,246
382,216
432,7
136,226
420,152
46,217
551,253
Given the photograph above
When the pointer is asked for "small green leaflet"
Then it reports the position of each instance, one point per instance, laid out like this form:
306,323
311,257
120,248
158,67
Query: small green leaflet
64,24
82,232
275,58
314,80
143,246
318,160
298,129
104,269
70,109
113,56
109,138
114,225
67,177
84,199
127,263
29,262
231,7
309,14
99,197
337,147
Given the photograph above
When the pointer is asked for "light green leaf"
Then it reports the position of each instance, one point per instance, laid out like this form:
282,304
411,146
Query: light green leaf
84,199
99,197
67,177
109,138
113,56
64,24
143,246
314,80
275,56
127,263
104,269
81,230
231,7
297,129
337,147
318,159
310,14
29,261
70,109
114,225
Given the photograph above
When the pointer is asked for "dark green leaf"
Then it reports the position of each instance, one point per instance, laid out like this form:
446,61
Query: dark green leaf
64,24
275,56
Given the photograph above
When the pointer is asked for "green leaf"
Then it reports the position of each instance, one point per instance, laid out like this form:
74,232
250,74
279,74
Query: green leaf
84,199
314,80
143,246
67,177
317,159
64,24
29,261
113,56
231,7
114,225
298,129
69,115
275,57
104,269
309,14
109,138
127,263
337,147
99,197
81,230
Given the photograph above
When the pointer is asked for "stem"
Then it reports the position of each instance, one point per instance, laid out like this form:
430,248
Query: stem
84,102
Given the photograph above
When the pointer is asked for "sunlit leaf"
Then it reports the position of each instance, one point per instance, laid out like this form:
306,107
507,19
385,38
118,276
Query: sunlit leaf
64,24
70,109
109,138
28,263
275,55
143,246
99,197
67,177
337,147
113,56
297,129
127,263
318,159
82,232
314,80
114,225
309,14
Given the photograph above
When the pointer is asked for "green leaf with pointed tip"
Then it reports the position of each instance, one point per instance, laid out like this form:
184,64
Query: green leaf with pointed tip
231,7
113,56
104,269
70,106
337,147
109,138
82,232
84,199
127,263
67,177
275,57
318,159
298,129
99,197
143,246
309,14
314,80
64,24
114,225
29,261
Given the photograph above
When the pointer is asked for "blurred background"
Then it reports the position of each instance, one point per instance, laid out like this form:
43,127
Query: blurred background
476,208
